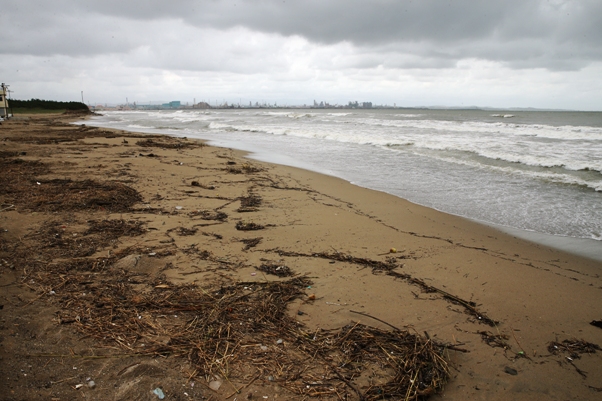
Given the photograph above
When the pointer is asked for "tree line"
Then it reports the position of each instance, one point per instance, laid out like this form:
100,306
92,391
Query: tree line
46,104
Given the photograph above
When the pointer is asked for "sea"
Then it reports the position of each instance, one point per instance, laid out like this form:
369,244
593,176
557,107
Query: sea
534,174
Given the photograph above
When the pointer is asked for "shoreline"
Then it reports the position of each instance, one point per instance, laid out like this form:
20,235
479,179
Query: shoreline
186,231
584,247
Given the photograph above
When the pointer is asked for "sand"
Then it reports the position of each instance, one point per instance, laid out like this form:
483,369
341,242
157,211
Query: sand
311,223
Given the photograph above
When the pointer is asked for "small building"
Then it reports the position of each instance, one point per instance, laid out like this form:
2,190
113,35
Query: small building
172,105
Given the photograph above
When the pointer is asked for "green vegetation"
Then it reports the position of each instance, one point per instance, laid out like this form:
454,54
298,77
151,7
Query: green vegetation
37,106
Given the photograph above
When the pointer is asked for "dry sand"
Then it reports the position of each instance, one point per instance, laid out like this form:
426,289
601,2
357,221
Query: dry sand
447,277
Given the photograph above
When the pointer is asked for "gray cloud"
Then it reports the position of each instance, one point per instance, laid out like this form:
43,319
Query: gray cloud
522,33
295,48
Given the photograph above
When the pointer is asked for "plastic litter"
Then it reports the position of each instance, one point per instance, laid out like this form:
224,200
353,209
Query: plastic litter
215,385
159,393
510,371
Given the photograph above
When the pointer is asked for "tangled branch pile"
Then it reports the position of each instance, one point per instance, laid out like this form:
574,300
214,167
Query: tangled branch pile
242,330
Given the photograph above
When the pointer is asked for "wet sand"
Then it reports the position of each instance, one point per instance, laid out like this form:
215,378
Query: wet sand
451,275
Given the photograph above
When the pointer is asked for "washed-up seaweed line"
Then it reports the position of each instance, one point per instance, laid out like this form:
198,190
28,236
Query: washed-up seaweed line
388,267
239,330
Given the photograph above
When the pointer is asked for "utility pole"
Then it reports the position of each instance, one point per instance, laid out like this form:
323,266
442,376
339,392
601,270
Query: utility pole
82,96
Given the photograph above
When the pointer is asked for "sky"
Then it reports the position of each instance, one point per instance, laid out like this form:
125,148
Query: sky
511,53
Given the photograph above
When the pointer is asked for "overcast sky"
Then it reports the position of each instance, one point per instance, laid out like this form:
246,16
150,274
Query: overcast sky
510,53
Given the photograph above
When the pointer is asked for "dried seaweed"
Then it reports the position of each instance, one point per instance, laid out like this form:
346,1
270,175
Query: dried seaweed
276,269
574,347
495,340
389,266
246,168
235,330
115,228
183,231
67,195
377,265
244,226
251,200
167,144
214,235
209,215
249,203
251,242
245,328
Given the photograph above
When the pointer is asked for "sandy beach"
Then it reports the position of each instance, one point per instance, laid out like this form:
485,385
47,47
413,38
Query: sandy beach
123,256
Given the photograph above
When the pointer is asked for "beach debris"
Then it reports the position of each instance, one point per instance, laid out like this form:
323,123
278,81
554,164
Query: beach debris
61,194
250,226
392,250
574,347
251,243
596,323
249,203
167,143
495,340
115,228
389,266
246,168
198,184
159,393
276,269
182,231
215,384
214,235
209,215
510,371
212,320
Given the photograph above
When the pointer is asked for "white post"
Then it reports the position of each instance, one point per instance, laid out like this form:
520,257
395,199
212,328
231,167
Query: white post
4,100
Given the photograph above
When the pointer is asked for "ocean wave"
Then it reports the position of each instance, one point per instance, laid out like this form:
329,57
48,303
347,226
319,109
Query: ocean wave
137,126
552,174
498,128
